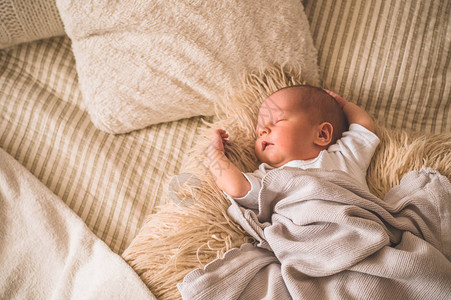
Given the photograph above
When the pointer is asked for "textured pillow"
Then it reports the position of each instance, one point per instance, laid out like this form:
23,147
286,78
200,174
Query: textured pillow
25,21
145,62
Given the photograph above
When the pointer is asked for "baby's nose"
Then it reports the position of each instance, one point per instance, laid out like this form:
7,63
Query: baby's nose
263,130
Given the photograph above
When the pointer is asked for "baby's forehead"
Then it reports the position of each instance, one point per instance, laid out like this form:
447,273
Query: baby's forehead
271,109
286,99
277,107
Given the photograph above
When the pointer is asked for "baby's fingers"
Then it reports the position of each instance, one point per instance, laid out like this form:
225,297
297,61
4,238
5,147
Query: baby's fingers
216,133
342,102
225,138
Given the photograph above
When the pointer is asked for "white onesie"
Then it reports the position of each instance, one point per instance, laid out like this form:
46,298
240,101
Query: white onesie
352,154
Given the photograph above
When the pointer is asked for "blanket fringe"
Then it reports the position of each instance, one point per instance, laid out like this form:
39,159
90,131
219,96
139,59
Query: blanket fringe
402,151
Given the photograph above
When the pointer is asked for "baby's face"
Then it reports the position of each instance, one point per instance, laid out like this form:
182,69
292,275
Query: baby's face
284,131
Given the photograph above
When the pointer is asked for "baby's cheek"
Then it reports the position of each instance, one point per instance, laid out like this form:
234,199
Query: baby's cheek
289,147
284,143
257,150
256,146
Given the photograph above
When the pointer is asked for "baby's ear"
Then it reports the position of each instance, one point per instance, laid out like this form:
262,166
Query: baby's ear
324,134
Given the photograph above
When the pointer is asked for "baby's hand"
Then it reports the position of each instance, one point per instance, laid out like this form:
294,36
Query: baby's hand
342,102
353,113
219,138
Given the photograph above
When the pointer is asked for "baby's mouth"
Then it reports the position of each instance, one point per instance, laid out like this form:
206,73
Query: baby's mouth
266,144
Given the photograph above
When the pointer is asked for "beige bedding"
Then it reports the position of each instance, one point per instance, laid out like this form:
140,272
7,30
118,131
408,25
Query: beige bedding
391,57
47,250
111,182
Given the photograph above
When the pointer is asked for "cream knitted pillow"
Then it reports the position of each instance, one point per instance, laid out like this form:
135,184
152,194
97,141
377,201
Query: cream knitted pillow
145,62
25,21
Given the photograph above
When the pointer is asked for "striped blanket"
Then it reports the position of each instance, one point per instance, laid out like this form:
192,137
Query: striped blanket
390,57
111,182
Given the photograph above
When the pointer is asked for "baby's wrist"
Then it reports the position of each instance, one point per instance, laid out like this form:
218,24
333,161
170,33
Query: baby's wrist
345,102
214,155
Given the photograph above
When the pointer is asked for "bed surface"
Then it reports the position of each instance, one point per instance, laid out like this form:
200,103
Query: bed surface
111,181
390,57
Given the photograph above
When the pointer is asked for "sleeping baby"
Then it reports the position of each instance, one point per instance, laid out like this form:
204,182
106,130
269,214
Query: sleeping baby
318,231
302,127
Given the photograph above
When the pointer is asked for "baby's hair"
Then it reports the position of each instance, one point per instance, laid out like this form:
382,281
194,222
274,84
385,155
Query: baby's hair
322,107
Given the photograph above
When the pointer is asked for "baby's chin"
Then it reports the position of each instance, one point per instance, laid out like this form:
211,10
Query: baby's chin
272,163
276,165
272,158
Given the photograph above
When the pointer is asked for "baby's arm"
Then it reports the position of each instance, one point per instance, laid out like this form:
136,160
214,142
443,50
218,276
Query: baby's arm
354,113
227,176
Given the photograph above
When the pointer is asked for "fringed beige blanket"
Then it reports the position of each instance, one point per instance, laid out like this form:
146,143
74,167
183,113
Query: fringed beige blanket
181,238
321,237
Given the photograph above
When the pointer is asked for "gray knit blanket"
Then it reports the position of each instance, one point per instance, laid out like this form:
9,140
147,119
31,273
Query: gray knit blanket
319,236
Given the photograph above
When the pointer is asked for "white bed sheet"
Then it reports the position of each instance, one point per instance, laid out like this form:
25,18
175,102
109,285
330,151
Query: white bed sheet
48,252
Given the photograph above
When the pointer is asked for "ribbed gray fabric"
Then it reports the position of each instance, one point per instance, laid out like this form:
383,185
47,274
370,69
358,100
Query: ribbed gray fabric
322,237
